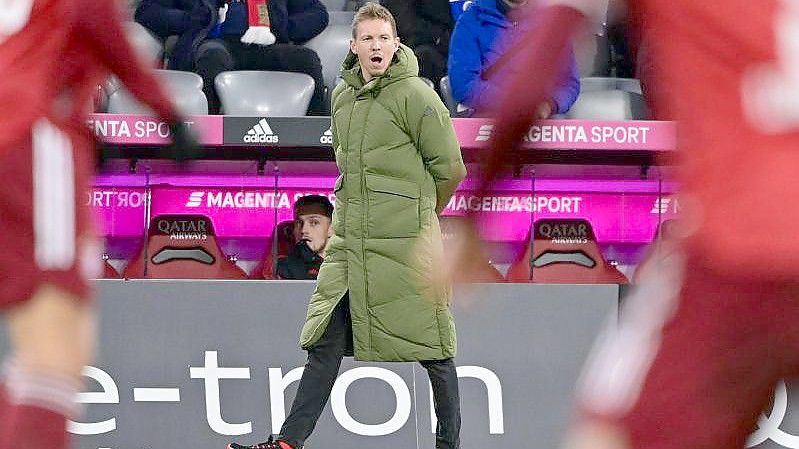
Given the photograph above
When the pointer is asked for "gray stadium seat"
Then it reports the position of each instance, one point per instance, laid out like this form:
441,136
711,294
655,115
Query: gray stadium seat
629,85
594,83
446,93
609,105
335,5
148,46
258,92
428,82
332,46
184,88
341,18
592,52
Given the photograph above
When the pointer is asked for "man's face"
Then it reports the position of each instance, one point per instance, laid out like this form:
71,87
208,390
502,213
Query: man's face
375,45
315,229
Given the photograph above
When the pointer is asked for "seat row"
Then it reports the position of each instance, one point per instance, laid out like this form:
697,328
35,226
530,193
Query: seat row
185,247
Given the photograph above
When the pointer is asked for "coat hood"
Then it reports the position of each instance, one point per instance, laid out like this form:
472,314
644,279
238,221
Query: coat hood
404,65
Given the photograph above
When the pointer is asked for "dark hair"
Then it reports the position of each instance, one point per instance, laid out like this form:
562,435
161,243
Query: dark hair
313,204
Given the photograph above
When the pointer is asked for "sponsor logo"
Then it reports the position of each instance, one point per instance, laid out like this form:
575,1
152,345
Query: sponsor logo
665,205
261,132
195,199
484,133
327,137
768,427
564,233
213,376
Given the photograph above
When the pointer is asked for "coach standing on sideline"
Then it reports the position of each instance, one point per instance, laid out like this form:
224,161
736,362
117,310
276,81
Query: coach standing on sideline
376,297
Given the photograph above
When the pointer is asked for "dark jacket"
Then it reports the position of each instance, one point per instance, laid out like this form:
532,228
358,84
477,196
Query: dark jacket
295,21
300,263
480,38
422,22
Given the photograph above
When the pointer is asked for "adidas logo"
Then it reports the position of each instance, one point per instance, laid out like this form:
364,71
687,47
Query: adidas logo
327,137
484,133
261,133
195,199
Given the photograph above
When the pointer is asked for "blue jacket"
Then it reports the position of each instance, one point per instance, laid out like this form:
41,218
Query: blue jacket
294,21
479,39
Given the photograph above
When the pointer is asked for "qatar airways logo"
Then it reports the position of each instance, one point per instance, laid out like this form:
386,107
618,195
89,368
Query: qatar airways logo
214,378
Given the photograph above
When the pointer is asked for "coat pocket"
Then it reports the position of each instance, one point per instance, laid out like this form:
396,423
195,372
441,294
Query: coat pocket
341,207
393,207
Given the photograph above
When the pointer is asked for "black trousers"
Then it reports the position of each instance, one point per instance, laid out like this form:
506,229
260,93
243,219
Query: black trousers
215,56
321,371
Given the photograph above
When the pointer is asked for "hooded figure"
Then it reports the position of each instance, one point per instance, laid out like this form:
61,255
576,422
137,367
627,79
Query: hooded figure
400,162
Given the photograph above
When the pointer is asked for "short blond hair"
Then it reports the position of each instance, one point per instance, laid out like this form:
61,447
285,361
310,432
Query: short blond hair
371,11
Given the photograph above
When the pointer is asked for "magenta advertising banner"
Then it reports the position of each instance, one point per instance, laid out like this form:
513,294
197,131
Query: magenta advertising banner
312,131
620,211
119,211
578,134
235,212
141,130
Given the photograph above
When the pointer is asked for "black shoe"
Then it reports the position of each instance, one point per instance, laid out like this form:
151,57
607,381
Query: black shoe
270,443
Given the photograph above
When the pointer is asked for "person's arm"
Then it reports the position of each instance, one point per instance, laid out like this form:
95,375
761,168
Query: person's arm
465,66
162,20
568,87
306,19
546,49
434,136
101,26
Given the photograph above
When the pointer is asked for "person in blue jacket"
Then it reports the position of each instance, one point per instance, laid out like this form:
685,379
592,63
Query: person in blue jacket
208,47
482,35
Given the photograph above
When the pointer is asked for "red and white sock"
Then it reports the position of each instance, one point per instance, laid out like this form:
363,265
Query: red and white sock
36,407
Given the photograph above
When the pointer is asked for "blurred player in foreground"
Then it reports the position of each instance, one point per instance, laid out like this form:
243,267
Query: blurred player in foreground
53,55
708,333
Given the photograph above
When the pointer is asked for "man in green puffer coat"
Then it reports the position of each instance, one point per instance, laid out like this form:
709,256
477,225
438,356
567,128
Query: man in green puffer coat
377,297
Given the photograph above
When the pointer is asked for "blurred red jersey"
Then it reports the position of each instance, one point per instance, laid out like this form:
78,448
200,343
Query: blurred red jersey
53,55
728,71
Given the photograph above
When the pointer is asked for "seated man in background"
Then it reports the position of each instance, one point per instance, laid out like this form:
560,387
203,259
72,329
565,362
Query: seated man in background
215,36
312,226
479,41
425,26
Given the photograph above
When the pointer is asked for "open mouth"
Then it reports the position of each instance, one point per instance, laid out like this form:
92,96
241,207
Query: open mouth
376,59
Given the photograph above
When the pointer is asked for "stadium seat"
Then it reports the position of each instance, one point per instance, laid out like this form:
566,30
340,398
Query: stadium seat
341,17
631,85
609,105
284,238
334,5
332,45
446,93
564,251
264,93
182,247
109,272
592,52
184,88
595,83
146,44
478,268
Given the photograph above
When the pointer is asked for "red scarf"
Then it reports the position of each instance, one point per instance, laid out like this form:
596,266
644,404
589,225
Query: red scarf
259,31
258,13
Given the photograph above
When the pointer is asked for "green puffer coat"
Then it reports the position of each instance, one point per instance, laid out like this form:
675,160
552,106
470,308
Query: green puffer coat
400,162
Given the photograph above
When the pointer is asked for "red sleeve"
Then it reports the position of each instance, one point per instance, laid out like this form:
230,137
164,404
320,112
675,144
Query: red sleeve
545,47
101,26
